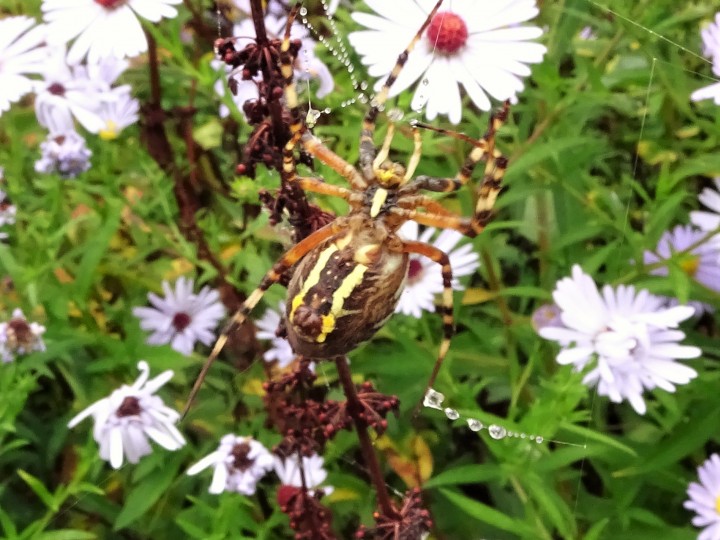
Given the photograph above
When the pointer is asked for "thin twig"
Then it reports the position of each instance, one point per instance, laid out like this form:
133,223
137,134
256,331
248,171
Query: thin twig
353,408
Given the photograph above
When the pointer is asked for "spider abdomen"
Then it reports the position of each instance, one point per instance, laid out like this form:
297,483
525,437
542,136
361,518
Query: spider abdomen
341,293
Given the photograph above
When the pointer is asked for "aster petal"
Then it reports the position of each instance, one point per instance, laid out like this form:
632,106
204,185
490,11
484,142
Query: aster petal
116,448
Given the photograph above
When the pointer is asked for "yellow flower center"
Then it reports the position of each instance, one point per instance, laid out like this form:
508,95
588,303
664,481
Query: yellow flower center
717,504
690,265
110,132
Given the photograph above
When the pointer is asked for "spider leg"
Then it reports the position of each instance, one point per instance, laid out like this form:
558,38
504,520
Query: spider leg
367,146
446,220
483,149
316,148
410,202
385,150
415,157
440,257
299,130
318,186
293,255
487,191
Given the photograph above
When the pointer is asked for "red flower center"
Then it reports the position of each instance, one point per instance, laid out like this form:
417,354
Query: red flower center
447,32
20,333
110,4
181,321
130,406
240,456
415,269
285,494
56,89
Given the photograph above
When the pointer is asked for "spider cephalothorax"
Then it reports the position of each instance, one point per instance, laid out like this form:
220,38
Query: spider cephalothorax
347,277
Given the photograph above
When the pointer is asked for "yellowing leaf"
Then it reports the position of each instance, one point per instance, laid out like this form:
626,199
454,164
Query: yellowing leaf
73,310
229,252
343,494
253,387
411,461
477,296
178,267
63,276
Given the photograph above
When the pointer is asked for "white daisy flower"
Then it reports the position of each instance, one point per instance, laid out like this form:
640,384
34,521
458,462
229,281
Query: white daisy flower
127,418
18,336
103,28
244,90
288,471
118,113
65,154
625,337
424,280
22,52
239,463
587,34
332,6
8,211
280,349
479,45
182,317
307,65
709,92
67,92
705,499
708,221
701,262
711,40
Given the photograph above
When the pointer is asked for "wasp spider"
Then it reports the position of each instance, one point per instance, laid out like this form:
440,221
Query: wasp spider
347,277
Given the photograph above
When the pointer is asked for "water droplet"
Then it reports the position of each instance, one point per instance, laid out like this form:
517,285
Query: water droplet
433,399
327,110
305,21
452,414
497,432
424,81
303,11
539,439
312,117
522,435
474,424
363,85
413,122
395,114
351,69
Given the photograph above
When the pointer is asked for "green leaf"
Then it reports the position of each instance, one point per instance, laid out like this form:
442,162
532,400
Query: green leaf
591,435
690,436
488,515
94,251
40,490
65,534
596,530
141,498
7,525
466,474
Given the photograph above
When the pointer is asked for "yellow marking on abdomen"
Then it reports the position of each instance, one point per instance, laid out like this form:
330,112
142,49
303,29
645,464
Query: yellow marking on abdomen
378,200
352,280
312,279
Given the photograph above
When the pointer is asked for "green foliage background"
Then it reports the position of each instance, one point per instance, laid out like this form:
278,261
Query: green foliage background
607,152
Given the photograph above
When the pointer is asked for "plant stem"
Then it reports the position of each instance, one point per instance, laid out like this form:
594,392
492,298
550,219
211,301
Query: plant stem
353,407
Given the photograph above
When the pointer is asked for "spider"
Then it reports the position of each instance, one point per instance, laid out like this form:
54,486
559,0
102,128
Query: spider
347,276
